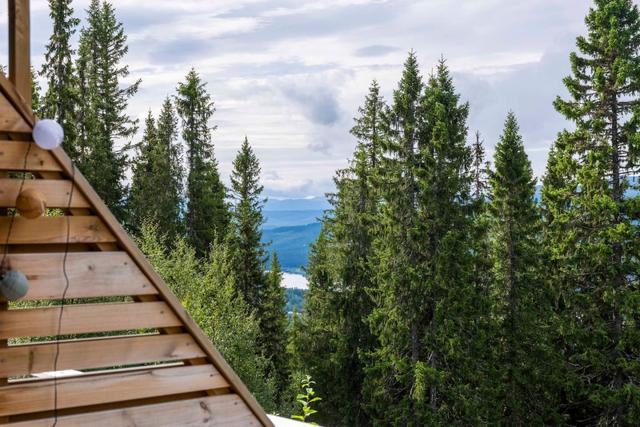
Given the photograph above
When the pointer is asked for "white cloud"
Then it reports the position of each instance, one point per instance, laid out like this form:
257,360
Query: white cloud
290,74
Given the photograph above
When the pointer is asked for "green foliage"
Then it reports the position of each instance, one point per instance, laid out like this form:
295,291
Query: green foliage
36,93
349,230
313,334
295,299
306,398
526,390
61,98
207,212
273,322
156,183
429,315
592,225
208,290
102,118
247,222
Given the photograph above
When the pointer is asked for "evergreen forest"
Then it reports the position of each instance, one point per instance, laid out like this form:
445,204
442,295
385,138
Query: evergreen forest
442,291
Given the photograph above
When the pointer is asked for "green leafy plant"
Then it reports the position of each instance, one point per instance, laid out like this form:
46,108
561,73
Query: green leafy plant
306,399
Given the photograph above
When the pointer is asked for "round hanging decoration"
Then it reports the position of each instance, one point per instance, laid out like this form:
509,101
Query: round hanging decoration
48,134
31,203
13,285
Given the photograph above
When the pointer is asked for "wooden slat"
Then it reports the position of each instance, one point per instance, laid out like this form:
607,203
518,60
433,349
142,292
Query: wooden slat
11,93
43,230
12,155
85,318
28,359
125,242
38,396
91,274
10,119
221,411
19,48
55,192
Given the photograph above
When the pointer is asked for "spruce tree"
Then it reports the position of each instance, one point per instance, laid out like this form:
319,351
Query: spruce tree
527,361
169,173
207,214
61,99
246,192
315,331
36,94
429,313
156,185
351,230
102,116
261,291
273,323
142,194
593,220
480,168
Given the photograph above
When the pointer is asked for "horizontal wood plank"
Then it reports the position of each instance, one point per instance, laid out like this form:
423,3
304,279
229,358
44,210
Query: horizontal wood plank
38,396
85,318
56,192
91,274
221,411
12,156
43,230
28,359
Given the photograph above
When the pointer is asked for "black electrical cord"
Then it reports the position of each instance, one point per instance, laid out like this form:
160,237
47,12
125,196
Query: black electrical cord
64,296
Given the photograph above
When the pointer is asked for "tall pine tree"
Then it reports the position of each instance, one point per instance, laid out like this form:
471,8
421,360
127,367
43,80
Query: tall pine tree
428,313
102,117
273,323
351,230
156,183
593,232
246,192
207,214
142,193
61,98
527,362
169,173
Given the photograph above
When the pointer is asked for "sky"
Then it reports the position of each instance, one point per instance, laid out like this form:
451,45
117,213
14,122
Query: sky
290,74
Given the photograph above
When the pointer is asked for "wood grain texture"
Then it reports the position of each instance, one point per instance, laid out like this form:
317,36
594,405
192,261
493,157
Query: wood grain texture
38,396
220,411
45,230
91,274
28,359
19,49
85,318
10,119
10,92
55,192
125,242
12,156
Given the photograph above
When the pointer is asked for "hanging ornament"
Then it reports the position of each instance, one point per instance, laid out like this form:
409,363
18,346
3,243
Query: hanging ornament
13,285
31,203
48,134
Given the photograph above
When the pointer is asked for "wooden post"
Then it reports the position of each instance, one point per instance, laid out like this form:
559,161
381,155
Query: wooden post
19,48
4,305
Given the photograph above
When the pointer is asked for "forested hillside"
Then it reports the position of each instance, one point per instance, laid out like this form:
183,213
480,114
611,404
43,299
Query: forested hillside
445,288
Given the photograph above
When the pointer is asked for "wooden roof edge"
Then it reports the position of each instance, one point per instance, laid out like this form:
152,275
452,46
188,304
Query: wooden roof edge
136,254
16,100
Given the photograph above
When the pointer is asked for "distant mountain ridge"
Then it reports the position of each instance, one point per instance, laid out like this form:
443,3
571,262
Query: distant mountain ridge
292,244
291,225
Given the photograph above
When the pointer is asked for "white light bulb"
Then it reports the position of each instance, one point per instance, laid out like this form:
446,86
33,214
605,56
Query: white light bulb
48,134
